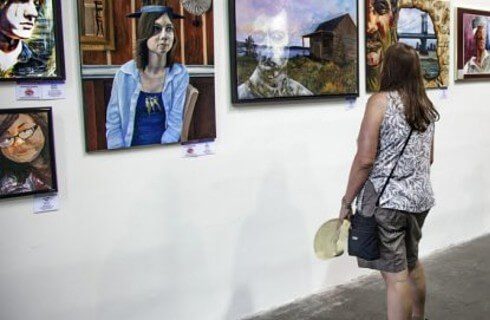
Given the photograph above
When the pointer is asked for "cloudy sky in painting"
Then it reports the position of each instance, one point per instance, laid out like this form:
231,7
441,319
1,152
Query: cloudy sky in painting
303,16
410,21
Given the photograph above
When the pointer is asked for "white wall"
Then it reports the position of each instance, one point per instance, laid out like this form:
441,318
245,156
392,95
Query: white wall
146,234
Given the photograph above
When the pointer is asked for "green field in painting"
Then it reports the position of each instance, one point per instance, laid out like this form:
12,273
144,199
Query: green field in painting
320,77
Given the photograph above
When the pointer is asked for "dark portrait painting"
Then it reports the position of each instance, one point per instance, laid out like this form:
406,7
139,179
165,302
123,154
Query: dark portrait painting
424,25
147,72
31,41
27,161
473,55
285,49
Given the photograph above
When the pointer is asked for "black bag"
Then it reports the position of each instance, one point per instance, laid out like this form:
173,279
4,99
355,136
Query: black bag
363,239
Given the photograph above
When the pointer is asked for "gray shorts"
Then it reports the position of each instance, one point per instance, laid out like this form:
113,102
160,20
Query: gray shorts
399,235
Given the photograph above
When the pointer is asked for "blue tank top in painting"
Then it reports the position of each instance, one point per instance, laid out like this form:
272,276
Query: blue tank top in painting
149,122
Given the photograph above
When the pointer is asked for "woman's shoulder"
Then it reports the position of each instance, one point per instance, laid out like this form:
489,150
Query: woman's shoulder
179,69
129,68
378,101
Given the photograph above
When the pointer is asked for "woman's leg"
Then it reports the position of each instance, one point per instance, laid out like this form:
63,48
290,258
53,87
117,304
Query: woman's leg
398,296
417,284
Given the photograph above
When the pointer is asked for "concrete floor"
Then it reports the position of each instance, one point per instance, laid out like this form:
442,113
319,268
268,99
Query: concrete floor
458,282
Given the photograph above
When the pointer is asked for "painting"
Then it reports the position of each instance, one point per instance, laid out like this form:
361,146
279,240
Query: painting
27,159
285,49
31,41
472,49
154,85
97,28
424,25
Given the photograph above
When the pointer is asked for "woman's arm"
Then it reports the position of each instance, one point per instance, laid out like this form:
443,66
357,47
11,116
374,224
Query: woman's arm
175,118
113,120
367,145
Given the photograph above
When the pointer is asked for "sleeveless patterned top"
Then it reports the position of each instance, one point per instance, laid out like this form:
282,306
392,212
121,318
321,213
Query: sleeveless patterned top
409,188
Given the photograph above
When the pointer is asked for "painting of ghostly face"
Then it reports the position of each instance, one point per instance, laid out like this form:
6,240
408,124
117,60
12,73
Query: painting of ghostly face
422,24
275,55
473,56
30,40
27,164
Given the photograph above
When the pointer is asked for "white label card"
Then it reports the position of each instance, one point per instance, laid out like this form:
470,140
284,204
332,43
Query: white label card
200,149
40,91
351,103
444,94
46,203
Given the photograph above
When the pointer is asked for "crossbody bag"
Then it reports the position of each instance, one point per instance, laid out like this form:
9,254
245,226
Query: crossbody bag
363,234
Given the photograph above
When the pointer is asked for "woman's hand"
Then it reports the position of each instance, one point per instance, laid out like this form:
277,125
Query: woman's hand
345,210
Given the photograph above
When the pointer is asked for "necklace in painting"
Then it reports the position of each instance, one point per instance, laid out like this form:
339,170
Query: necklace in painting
152,104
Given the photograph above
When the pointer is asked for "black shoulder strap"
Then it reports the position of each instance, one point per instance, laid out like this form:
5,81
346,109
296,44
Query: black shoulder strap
394,167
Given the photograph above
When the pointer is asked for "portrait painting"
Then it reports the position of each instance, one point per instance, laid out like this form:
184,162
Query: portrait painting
27,159
285,49
31,40
424,25
472,45
152,82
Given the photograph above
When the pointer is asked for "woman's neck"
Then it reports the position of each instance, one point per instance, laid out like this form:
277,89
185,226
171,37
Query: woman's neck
156,64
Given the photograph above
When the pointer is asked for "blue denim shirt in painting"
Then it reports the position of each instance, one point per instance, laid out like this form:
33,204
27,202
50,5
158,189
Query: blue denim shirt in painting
121,109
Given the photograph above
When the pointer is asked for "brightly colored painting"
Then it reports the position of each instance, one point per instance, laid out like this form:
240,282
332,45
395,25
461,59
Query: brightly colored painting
424,25
473,57
293,49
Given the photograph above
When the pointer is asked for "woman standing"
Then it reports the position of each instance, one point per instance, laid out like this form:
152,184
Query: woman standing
401,113
25,154
148,94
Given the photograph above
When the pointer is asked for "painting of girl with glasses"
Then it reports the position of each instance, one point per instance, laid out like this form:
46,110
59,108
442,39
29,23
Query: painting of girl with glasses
27,164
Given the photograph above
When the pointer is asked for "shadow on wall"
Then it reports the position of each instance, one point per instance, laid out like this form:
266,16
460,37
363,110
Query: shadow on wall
150,268
273,252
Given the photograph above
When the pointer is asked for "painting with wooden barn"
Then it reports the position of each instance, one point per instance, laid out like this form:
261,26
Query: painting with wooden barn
147,72
288,49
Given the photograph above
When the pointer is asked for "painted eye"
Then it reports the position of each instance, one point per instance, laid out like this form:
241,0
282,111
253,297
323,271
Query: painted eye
26,133
6,141
259,36
278,35
381,7
157,29
169,29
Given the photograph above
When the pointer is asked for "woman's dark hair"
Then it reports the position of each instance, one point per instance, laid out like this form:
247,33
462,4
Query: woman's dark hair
22,170
145,31
401,72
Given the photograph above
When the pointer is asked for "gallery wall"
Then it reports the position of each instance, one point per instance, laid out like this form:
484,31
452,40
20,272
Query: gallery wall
148,234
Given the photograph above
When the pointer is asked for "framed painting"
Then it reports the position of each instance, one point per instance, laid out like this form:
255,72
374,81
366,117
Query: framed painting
27,157
32,40
286,49
472,44
155,85
424,25
96,25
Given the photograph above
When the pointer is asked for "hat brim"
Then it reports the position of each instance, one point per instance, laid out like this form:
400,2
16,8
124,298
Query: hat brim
136,15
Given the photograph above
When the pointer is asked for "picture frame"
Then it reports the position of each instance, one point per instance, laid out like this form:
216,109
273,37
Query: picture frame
194,117
27,168
39,43
318,48
424,25
468,21
97,20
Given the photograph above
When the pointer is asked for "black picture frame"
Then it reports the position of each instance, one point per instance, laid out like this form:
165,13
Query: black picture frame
459,46
60,74
234,74
51,151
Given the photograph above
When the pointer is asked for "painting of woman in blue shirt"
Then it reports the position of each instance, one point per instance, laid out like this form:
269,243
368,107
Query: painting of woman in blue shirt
148,93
